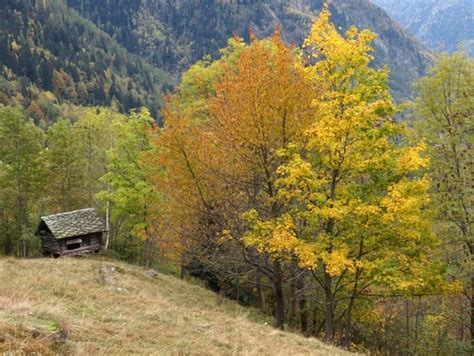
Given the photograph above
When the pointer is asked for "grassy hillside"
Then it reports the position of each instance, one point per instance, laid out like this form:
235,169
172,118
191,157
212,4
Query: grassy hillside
95,306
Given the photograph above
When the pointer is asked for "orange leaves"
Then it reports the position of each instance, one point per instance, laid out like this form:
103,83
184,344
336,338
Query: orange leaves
292,158
219,145
262,104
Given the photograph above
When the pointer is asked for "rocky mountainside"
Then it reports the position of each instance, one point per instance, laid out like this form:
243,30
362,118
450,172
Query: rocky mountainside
445,25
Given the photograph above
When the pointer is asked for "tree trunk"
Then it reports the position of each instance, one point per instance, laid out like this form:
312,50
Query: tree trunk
469,295
348,334
293,301
302,306
107,218
329,296
329,306
277,283
261,294
279,304
472,312
149,246
149,251
407,327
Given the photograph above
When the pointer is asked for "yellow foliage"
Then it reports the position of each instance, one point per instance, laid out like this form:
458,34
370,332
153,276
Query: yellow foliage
305,144
337,261
405,200
352,186
411,159
278,239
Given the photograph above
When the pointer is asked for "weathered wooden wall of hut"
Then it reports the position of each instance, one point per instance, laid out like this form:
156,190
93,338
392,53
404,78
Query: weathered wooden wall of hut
72,246
80,244
50,244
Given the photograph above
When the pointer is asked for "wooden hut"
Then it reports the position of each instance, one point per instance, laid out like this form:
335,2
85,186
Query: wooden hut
71,233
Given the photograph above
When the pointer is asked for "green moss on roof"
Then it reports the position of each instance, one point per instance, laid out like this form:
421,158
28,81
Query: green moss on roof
74,223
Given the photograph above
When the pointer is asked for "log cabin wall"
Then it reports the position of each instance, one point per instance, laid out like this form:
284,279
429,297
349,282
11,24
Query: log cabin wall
50,244
74,245
81,244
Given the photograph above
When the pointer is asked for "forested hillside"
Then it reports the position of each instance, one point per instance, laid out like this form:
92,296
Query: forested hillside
279,174
175,34
50,46
92,52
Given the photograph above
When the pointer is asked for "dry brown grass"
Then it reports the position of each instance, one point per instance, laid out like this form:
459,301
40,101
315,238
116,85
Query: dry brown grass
97,306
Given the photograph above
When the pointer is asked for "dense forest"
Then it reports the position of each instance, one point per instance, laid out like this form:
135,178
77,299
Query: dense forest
280,177
175,34
45,45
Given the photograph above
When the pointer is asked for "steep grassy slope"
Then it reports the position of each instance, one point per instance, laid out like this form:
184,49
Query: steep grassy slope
94,306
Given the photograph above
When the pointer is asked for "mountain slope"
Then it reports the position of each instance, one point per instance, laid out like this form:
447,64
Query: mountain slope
94,306
50,45
174,34
128,52
440,25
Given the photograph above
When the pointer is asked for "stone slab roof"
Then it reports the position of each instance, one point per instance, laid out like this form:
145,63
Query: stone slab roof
74,223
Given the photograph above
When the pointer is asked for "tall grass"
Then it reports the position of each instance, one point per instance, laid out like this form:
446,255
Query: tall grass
99,306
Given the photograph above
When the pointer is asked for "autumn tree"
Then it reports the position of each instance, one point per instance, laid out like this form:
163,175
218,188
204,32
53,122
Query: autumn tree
128,189
259,107
225,156
356,203
444,110
93,130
